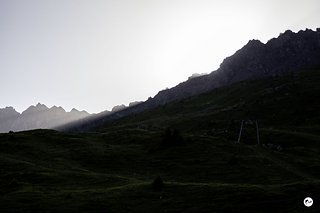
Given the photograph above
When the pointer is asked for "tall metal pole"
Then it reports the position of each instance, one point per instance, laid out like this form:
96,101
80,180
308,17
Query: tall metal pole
240,131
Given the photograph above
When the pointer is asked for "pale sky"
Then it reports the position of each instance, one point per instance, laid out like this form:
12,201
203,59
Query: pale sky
94,54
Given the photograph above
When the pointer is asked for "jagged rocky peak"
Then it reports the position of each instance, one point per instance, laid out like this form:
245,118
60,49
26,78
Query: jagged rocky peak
76,113
38,116
30,109
74,110
252,47
254,43
41,106
57,109
118,108
196,75
34,109
303,38
250,50
8,112
134,103
286,33
289,52
8,109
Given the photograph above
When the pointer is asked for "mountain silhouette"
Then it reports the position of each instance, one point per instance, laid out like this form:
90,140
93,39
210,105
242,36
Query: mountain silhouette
37,117
244,138
289,53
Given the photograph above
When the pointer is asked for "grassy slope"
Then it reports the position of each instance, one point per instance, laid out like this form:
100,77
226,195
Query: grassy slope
110,170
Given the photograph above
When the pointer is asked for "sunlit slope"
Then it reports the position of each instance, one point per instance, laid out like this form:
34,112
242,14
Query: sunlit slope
111,169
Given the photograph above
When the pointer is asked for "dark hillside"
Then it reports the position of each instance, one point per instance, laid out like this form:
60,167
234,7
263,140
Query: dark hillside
288,54
189,144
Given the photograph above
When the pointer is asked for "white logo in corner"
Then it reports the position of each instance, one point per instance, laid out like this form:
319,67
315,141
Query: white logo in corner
308,201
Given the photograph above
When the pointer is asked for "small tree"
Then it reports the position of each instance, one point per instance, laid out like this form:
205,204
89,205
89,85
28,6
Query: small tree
157,184
172,138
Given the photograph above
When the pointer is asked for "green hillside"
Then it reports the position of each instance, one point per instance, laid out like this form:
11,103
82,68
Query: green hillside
190,144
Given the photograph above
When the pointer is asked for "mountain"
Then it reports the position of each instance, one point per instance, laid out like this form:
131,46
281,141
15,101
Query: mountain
289,53
181,153
179,157
8,112
37,117
8,116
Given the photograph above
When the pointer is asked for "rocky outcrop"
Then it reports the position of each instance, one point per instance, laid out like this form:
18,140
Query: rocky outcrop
134,103
118,108
196,75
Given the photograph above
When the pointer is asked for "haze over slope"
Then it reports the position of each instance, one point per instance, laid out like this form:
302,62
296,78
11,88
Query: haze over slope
37,117
287,54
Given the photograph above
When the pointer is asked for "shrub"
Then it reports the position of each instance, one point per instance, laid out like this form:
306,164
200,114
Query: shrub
157,184
172,138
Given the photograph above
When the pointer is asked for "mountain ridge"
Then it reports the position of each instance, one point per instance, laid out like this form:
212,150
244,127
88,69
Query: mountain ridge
248,146
289,53
37,116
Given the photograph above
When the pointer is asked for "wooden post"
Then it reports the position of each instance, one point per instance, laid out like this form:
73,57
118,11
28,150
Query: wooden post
240,131
258,137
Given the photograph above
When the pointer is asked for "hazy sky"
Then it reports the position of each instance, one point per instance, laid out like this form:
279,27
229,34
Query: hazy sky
92,54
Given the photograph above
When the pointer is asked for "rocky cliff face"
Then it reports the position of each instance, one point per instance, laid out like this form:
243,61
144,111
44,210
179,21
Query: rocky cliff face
36,117
289,53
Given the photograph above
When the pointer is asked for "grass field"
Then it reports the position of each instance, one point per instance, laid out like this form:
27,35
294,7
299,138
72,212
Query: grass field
111,169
